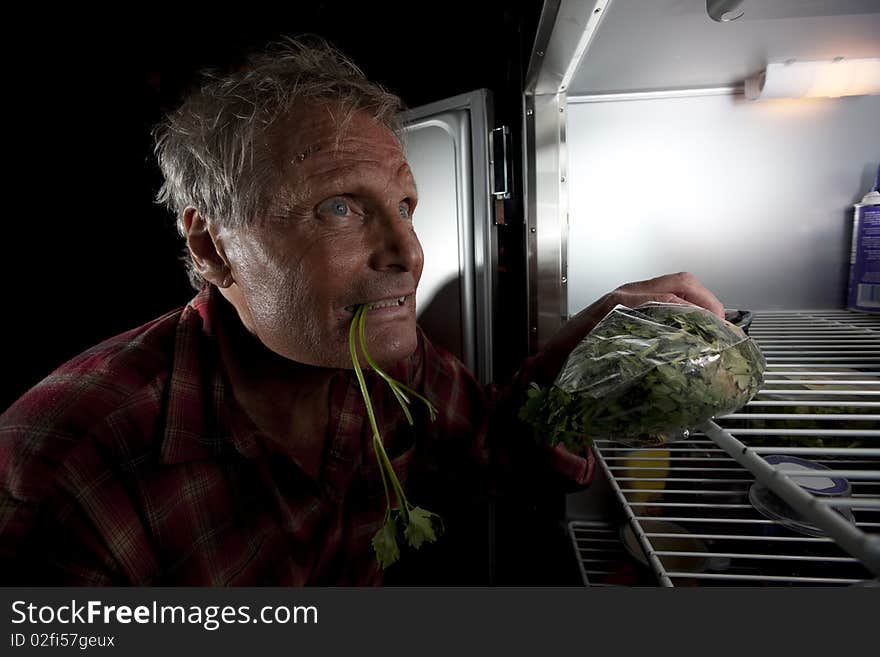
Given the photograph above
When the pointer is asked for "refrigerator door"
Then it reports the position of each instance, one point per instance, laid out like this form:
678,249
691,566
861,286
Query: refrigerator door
447,145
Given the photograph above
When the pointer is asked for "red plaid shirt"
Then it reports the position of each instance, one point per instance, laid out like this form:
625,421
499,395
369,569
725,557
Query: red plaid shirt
132,464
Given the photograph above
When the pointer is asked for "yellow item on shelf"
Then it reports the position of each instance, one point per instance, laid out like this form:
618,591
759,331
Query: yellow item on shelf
644,465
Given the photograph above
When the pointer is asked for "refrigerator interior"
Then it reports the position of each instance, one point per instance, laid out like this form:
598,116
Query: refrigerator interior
644,157
754,198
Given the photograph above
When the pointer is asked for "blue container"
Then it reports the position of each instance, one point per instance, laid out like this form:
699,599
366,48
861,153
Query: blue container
864,270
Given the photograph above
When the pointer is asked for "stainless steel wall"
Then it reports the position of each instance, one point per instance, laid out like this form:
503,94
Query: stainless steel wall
448,150
753,197
437,152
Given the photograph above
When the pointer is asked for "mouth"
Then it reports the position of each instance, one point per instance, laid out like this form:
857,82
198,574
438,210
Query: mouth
391,302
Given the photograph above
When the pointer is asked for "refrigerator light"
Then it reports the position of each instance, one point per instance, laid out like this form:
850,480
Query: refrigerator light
816,79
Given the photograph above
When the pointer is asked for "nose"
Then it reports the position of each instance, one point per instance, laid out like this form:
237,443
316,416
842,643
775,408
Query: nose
394,244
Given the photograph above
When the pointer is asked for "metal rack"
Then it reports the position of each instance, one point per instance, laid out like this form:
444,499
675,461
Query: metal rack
821,402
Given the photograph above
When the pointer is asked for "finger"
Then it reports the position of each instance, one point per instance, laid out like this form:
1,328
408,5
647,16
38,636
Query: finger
636,299
684,285
698,294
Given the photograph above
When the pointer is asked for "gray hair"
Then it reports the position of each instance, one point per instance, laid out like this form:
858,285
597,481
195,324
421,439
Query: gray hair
213,149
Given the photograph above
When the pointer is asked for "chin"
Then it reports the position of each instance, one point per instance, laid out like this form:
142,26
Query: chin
391,352
386,350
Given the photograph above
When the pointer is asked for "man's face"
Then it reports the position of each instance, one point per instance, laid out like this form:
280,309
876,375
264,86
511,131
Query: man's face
338,234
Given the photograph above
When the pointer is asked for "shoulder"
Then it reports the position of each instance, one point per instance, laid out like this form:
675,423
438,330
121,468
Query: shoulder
39,430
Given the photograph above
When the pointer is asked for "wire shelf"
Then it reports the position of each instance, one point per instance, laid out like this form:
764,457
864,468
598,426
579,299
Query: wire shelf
696,512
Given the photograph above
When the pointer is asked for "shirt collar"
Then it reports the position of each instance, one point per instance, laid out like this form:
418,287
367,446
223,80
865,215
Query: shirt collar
202,420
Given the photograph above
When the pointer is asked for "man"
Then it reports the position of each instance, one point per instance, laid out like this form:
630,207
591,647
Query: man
227,443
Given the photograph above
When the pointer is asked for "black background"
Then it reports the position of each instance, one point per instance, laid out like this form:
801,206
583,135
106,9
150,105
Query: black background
88,254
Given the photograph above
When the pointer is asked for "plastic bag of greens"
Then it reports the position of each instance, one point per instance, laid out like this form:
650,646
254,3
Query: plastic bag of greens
645,377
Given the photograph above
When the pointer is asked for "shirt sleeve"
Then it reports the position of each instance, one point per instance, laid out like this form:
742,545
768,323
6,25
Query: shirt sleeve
45,536
482,424
571,471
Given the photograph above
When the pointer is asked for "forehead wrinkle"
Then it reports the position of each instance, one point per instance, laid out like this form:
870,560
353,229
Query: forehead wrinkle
357,147
372,153
326,136
333,160
354,173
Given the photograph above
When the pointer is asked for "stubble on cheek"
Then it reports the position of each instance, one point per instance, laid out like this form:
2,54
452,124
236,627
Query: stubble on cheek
290,314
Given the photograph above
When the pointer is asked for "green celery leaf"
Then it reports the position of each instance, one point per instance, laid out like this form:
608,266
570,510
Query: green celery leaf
644,375
385,543
423,526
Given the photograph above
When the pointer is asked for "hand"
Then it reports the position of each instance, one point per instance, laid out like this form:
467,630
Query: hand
671,288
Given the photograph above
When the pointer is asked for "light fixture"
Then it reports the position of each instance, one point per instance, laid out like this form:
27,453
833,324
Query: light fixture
813,79
724,11
728,11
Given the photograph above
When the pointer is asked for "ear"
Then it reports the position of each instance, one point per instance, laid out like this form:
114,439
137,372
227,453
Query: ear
205,249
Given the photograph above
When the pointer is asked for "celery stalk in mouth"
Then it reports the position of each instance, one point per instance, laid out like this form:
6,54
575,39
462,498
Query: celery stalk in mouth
403,521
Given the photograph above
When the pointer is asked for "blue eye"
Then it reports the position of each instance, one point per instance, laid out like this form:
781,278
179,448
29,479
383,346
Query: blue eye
337,207
403,209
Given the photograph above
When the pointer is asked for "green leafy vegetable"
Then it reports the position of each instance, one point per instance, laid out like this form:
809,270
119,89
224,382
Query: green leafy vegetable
403,522
385,541
644,376
422,527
